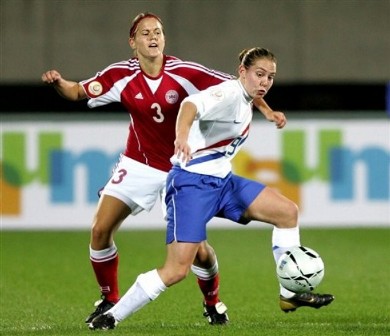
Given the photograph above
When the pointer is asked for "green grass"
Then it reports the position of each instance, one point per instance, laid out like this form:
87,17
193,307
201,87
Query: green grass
48,288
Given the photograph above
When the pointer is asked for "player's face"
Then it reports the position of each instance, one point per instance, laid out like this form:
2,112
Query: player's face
258,78
149,39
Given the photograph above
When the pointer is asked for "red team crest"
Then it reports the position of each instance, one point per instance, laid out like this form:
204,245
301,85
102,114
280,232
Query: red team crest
171,96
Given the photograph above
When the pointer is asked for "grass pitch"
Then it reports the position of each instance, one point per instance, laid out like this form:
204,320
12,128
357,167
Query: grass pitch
48,287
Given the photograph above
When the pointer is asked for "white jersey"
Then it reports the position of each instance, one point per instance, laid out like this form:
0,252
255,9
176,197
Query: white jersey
221,125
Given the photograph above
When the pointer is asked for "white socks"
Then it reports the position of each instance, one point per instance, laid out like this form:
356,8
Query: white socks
282,241
103,255
146,288
205,273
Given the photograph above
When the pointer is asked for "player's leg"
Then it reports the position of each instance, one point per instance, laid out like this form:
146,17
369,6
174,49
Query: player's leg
148,286
133,187
103,254
205,267
187,222
272,207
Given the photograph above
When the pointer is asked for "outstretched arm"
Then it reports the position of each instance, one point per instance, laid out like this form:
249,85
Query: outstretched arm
277,117
67,89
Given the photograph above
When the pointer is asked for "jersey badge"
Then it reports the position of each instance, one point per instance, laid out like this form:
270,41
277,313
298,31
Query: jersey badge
95,88
171,97
217,95
139,96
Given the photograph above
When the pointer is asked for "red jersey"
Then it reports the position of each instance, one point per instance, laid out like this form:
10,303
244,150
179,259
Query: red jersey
152,103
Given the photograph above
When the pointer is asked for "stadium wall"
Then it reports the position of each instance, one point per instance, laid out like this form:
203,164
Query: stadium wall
336,170
326,41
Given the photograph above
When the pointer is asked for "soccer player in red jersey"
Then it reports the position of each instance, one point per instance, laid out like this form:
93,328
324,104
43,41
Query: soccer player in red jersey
151,86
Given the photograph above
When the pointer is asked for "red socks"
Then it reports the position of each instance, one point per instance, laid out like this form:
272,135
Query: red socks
210,290
106,272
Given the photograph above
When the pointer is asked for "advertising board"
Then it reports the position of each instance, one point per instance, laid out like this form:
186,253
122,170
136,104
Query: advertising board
337,171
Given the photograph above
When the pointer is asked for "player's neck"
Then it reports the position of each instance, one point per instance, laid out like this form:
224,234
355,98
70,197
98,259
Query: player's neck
151,66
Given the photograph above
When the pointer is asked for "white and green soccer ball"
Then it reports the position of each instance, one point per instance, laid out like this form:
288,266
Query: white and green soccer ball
300,269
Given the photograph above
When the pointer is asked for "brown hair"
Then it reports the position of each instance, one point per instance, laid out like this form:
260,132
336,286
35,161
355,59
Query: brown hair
139,18
247,57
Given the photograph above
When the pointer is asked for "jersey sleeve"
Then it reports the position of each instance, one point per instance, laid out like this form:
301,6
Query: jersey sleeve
199,76
106,86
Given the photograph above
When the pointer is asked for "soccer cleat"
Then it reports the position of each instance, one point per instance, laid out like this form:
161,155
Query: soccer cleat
103,322
305,300
101,307
216,314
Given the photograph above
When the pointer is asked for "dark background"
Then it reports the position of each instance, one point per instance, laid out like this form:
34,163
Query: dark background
333,55
331,98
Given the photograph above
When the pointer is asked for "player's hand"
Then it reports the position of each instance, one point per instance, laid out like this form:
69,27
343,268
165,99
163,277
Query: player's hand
51,77
278,118
182,150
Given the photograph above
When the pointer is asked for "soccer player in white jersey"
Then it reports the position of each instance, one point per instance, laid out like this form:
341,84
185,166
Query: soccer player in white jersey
211,127
151,86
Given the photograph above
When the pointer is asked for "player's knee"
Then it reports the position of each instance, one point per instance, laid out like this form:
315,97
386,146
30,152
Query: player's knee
205,257
100,233
289,217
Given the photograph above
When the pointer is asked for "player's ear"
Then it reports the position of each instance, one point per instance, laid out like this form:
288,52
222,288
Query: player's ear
131,43
241,69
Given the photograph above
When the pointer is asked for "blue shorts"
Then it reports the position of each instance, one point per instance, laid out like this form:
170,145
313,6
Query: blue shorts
192,200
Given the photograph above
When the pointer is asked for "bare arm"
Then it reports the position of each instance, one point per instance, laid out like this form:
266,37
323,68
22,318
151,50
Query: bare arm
67,89
184,121
277,117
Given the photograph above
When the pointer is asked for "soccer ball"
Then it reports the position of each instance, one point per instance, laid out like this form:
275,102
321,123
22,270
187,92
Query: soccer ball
300,269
